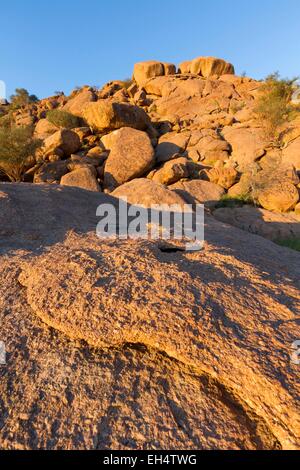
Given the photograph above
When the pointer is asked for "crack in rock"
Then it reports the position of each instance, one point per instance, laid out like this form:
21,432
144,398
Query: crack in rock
127,294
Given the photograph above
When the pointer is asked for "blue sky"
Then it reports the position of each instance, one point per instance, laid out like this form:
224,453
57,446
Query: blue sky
59,44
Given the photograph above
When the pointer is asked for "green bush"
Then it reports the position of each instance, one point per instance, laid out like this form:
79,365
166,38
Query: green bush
292,243
63,119
5,121
234,201
22,98
17,145
274,106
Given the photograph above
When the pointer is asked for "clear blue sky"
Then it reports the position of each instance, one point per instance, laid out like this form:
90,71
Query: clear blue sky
59,44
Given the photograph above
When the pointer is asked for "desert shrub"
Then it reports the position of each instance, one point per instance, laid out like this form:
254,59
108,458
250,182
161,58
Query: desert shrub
17,145
292,243
63,119
274,106
237,106
22,98
153,108
5,121
234,201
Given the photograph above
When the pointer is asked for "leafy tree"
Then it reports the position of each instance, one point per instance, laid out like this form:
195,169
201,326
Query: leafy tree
17,145
5,120
21,98
274,106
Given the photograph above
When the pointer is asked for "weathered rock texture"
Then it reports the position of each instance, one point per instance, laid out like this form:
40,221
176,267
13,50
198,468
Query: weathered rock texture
120,345
261,222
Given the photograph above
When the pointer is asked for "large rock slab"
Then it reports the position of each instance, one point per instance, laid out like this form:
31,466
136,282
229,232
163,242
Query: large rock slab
86,324
192,108
145,192
131,156
261,222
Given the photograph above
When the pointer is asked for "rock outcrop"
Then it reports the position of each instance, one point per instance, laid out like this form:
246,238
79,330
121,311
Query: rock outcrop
105,115
143,71
206,67
261,222
201,118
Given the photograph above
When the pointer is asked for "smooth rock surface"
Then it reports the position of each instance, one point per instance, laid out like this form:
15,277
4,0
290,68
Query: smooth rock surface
131,156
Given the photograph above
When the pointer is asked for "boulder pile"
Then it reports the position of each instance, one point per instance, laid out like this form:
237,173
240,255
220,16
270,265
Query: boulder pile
191,126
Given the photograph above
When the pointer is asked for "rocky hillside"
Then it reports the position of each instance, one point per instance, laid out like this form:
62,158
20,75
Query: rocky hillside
131,344
193,129
172,127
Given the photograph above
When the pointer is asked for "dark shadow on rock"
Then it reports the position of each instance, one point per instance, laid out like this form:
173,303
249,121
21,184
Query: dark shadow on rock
166,151
34,217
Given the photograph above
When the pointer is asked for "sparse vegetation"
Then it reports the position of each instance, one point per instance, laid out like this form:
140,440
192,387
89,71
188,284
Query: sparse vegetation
22,98
274,106
5,121
235,107
236,201
17,145
292,243
63,119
